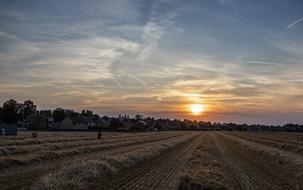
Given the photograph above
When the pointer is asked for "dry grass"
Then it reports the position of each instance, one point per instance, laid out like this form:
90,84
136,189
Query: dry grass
233,160
291,163
287,142
203,171
219,160
85,173
13,155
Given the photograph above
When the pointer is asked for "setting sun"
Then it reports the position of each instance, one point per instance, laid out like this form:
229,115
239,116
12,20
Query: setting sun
197,108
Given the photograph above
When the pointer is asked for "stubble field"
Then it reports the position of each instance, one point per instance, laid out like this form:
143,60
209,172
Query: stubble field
152,160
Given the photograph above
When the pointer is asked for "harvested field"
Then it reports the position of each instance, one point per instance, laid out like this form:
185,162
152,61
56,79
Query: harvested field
152,160
238,162
42,158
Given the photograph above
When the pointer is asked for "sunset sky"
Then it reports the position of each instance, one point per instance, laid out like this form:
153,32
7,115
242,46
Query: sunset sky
243,60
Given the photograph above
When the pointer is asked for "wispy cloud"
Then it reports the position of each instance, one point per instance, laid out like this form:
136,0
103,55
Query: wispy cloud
118,55
294,23
5,35
13,13
137,79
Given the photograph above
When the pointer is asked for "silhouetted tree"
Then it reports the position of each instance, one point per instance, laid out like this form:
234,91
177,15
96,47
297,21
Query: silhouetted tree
28,108
58,114
11,112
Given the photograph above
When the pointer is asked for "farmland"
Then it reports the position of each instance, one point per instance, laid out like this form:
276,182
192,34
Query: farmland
152,160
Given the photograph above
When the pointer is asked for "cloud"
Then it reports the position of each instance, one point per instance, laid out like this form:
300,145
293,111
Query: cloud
5,35
117,56
153,31
14,14
294,23
151,36
137,79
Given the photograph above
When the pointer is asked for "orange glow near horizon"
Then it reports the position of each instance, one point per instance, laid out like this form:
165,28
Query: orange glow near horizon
197,109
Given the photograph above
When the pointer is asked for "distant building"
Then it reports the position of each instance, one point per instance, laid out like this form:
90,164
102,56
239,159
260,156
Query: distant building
139,125
126,123
73,123
105,122
96,125
37,121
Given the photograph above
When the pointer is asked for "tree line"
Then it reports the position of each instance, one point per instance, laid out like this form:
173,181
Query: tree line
12,112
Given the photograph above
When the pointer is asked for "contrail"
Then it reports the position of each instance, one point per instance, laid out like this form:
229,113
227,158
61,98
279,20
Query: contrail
137,79
294,23
117,82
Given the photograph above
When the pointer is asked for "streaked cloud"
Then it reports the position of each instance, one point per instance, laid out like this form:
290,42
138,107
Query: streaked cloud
154,57
294,23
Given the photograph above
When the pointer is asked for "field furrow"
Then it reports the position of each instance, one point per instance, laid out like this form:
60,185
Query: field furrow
183,160
80,148
247,170
27,174
236,163
160,173
285,143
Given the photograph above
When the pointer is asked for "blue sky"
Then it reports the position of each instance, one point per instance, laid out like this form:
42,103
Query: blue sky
243,59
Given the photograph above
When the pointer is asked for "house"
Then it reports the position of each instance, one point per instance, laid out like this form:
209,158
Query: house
73,123
37,121
9,129
88,121
105,122
92,125
96,125
126,123
139,125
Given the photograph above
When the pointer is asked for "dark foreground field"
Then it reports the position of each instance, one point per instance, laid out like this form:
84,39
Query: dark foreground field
154,160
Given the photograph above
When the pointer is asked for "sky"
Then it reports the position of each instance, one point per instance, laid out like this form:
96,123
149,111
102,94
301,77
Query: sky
243,60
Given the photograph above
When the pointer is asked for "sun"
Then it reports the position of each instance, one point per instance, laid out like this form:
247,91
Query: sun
196,109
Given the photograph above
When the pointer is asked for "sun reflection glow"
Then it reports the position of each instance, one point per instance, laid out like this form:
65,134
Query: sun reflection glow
197,109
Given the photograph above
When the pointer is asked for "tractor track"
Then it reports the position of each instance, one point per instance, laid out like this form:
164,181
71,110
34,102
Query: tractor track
247,171
28,174
161,172
239,162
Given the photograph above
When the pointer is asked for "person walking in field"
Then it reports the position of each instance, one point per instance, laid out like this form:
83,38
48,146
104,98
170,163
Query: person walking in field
99,136
35,134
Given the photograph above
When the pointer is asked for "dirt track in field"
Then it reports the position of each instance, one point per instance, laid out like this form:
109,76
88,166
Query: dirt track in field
163,172
248,171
